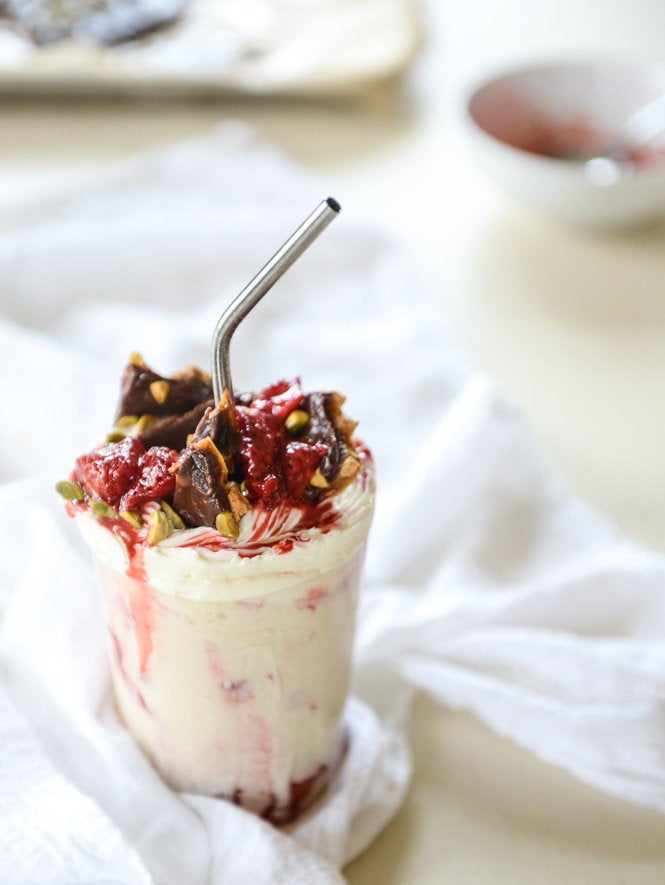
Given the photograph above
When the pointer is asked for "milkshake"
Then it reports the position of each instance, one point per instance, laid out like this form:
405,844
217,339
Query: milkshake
228,539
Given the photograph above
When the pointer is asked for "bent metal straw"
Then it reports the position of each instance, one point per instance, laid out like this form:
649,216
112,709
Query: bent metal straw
254,291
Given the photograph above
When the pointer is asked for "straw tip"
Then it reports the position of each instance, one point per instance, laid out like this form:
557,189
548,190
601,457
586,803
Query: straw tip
334,205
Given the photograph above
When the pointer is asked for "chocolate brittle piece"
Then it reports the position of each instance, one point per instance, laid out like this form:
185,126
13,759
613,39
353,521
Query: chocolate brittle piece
328,425
200,479
143,391
203,490
221,426
173,431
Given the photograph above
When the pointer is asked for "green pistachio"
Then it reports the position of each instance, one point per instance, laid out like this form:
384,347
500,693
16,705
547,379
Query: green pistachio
159,390
173,516
102,509
318,480
226,524
143,423
133,517
296,422
70,491
126,422
160,527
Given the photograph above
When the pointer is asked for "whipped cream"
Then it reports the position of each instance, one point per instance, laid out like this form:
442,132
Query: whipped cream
201,564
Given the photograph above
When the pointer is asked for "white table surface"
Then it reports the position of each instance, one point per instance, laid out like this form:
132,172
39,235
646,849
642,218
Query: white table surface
571,323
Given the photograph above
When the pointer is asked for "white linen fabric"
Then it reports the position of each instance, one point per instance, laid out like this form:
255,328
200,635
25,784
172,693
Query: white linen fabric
487,584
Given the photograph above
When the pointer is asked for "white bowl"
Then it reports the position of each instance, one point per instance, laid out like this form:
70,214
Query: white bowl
529,127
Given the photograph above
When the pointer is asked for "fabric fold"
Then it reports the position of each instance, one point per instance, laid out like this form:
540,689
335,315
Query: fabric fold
488,585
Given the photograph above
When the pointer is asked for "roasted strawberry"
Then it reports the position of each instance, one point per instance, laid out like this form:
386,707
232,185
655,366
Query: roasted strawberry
109,470
299,462
261,444
153,482
279,398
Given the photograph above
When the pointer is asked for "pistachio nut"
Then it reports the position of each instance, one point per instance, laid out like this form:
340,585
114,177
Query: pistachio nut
159,527
143,423
70,491
172,515
237,501
135,359
125,422
102,509
133,517
160,390
318,480
226,524
350,466
296,422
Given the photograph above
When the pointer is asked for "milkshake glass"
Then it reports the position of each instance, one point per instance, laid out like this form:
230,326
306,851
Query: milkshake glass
231,661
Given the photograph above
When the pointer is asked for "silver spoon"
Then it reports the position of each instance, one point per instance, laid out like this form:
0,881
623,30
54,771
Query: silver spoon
254,291
637,131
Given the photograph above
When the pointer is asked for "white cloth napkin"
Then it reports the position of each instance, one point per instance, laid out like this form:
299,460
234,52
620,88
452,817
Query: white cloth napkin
487,585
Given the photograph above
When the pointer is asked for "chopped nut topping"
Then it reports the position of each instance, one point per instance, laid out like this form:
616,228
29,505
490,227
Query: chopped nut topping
318,480
160,527
226,524
350,466
126,421
345,425
237,501
135,359
173,517
70,491
102,509
114,436
159,391
133,517
143,422
296,422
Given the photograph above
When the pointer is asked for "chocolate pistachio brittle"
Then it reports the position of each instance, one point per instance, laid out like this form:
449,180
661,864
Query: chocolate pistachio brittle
205,494
207,464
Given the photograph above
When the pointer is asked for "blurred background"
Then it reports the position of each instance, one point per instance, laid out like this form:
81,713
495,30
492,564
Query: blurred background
368,94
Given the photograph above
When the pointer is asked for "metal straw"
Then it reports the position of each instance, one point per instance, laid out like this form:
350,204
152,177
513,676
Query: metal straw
254,291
